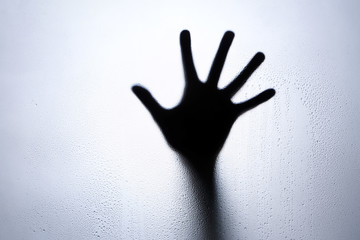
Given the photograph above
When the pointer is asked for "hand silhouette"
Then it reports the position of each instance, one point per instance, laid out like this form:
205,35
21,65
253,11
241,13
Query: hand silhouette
198,127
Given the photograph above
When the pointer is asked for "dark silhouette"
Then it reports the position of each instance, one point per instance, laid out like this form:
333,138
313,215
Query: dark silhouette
198,127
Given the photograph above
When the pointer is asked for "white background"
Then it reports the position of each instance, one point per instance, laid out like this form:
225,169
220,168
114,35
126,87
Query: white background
81,158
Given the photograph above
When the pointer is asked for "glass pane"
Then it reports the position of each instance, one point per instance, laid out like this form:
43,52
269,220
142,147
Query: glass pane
81,158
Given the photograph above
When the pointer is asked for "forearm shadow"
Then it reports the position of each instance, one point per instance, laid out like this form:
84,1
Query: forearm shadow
204,194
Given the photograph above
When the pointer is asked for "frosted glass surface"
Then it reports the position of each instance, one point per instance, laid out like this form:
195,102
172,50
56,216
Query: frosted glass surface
81,158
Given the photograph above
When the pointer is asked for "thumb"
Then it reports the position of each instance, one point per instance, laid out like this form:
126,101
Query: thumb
149,102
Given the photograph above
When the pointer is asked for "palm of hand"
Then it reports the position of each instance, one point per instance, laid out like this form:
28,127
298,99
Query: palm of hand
198,127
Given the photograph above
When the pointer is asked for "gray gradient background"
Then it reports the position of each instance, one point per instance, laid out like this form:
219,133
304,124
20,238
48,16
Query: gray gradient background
81,158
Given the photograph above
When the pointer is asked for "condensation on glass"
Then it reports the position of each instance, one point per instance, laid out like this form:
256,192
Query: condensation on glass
81,158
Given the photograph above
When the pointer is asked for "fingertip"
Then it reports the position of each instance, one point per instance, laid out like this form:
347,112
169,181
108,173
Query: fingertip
260,56
184,36
139,91
185,31
269,93
133,88
229,34
272,91
136,88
